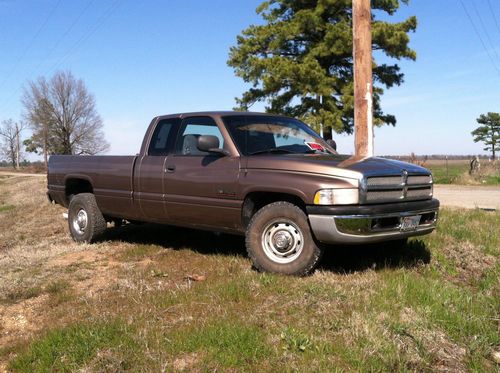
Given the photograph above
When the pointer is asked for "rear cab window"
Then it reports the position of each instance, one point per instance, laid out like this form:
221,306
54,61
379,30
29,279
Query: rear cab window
163,137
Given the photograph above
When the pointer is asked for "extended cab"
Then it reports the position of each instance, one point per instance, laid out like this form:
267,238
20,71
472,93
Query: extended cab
268,177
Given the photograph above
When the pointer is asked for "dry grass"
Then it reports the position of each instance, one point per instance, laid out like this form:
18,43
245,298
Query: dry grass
129,302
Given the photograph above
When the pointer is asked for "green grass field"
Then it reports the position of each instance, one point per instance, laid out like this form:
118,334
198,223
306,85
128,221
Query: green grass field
457,172
127,303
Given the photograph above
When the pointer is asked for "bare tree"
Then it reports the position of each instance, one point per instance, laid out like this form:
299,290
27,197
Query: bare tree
10,144
38,112
63,117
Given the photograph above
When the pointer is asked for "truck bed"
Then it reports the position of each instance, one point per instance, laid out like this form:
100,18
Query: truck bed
110,177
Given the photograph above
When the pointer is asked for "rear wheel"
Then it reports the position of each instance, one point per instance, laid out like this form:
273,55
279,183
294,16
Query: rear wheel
86,223
279,240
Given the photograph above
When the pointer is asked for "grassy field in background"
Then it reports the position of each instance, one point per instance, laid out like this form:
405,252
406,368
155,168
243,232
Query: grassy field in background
457,172
444,174
127,303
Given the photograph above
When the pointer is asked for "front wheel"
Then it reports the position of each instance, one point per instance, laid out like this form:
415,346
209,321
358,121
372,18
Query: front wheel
279,240
85,220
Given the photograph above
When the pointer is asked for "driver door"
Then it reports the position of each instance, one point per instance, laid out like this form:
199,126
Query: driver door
201,188
150,172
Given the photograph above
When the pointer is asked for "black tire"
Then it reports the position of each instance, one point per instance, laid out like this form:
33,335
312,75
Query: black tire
282,224
91,224
117,222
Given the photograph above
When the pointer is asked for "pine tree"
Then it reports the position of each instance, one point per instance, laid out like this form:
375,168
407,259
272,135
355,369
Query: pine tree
488,132
300,61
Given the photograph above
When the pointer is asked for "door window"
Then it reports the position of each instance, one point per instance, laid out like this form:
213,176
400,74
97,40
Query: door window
192,129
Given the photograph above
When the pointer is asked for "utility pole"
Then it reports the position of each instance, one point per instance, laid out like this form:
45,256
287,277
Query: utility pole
18,145
363,82
321,124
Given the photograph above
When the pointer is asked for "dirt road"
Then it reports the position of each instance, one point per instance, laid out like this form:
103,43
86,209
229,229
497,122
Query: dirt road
10,173
486,197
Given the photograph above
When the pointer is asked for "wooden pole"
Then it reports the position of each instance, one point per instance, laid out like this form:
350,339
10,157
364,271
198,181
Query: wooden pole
18,146
363,83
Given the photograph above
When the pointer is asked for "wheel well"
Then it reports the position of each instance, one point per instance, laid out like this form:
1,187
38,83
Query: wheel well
256,200
77,186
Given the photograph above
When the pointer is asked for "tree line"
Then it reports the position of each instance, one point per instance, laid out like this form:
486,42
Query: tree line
61,114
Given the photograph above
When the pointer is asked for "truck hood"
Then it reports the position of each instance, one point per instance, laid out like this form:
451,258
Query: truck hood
333,165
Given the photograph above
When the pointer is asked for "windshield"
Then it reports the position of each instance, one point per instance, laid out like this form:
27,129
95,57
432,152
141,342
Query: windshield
262,134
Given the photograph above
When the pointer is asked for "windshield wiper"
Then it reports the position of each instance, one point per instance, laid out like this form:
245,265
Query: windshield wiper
272,150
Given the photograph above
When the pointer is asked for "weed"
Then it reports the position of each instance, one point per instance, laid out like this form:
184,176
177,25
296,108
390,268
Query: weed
295,341
234,290
57,286
5,208
70,348
227,343
157,273
21,293
138,252
269,279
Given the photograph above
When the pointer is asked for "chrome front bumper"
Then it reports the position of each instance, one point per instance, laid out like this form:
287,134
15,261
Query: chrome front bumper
371,227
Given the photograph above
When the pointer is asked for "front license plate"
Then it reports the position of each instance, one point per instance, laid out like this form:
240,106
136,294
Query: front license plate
410,223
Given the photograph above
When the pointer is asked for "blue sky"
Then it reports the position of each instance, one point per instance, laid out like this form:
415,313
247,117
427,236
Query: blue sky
145,58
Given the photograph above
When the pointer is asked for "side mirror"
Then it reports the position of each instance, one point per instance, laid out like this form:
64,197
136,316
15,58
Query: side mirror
210,144
332,143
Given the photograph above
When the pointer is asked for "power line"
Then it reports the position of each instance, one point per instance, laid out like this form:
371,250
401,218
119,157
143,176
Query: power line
479,36
494,16
65,33
91,31
30,44
492,46
107,13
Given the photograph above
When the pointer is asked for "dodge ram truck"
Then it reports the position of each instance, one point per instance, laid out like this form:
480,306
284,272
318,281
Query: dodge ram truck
268,177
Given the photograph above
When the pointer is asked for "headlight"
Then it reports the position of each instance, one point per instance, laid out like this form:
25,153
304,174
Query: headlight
336,197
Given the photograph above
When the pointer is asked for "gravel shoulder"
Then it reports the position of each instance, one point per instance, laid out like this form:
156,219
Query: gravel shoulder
464,196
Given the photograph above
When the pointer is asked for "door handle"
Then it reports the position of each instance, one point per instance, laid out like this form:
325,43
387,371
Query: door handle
170,168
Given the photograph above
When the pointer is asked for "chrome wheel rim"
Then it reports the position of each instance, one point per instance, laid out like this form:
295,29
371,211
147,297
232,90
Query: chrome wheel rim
80,221
282,242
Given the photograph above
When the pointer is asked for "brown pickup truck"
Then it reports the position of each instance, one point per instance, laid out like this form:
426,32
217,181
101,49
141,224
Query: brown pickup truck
268,177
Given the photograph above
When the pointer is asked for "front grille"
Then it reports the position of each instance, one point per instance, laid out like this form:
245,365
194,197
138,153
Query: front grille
383,195
381,181
425,179
420,193
380,189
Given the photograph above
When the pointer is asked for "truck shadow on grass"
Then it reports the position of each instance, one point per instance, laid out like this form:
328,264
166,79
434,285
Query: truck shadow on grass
349,259
177,238
337,259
